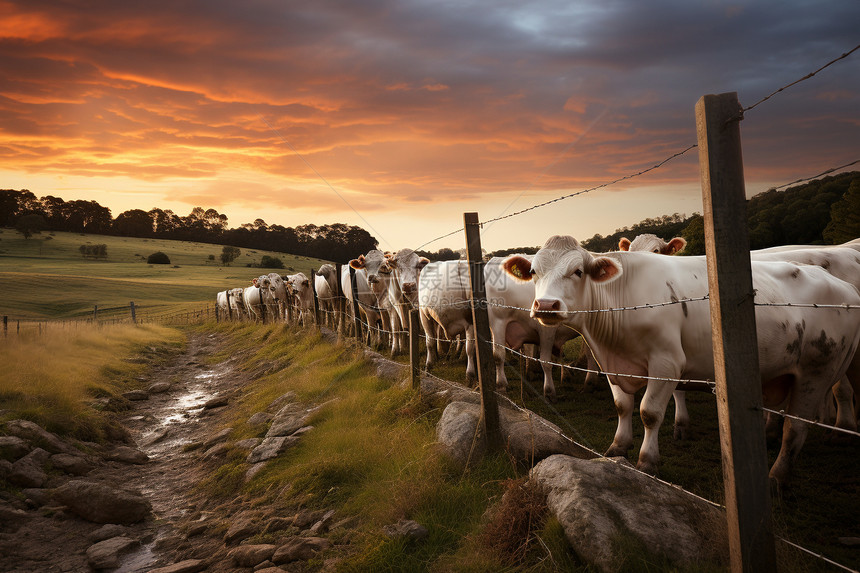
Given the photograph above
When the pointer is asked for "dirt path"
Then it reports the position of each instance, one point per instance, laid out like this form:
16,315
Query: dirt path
164,426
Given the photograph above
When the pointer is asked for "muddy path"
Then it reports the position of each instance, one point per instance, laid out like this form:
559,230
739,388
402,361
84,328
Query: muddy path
170,426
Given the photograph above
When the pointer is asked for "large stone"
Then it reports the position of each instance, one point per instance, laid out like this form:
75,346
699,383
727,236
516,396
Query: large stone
38,436
241,528
29,471
159,387
127,455
187,566
216,402
107,531
289,419
526,437
271,448
75,465
136,395
601,503
13,448
279,402
406,528
251,555
101,503
259,419
300,549
219,437
105,554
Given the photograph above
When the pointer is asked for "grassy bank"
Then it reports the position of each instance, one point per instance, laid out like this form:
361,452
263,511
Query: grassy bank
61,379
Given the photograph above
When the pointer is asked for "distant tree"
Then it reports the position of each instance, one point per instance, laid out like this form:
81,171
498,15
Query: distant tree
211,257
30,224
694,233
229,254
268,262
845,216
133,223
158,258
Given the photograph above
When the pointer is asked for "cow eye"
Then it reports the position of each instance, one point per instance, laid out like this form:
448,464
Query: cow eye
385,270
578,273
656,251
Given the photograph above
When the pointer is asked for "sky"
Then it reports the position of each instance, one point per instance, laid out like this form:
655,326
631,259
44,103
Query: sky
399,116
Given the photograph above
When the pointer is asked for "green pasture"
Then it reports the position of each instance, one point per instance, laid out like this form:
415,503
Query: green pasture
46,277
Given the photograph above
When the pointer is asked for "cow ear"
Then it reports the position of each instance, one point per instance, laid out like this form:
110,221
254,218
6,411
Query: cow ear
518,267
623,244
423,262
254,282
603,270
676,245
358,263
306,283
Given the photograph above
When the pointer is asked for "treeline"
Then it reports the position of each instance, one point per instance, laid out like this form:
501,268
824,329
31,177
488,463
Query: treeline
336,242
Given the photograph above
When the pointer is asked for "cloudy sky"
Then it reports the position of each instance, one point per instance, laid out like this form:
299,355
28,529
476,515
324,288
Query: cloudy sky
400,115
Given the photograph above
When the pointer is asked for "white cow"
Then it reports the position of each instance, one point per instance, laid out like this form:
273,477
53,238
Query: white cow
802,351
379,273
281,294
367,308
302,296
403,290
260,301
237,303
325,283
222,302
229,301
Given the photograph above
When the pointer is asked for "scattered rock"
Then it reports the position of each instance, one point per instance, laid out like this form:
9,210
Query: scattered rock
187,566
100,503
28,471
267,570
107,531
216,402
196,529
216,452
219,437
270,448
159,388
74,465
254,470
459,435
13,448
278,402
277,524
322,525
248,444
289,419
158,436
598,502
251,555
5,469
127,455
305,518
36,496
266,565
105,554
300,549
135,395
242,528
36,435
259,419
407,528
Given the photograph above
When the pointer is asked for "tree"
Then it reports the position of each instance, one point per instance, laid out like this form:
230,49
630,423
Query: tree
229,254
268,262
158,258
844,222
29,224
133,223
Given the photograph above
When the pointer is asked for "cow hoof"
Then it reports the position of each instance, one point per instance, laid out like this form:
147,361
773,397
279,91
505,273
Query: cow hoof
616,452
647,467
681,433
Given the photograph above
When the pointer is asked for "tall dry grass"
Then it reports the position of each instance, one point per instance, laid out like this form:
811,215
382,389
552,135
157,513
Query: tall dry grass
57,377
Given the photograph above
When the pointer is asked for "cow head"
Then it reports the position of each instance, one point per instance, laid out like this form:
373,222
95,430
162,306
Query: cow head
407,266
652,244
378,268
563,273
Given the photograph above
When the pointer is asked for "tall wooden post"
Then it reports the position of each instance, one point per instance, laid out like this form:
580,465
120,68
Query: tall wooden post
339,305
483,340
414,338
133,315
5,325
95,312
313,285
262,305
353,285
739,400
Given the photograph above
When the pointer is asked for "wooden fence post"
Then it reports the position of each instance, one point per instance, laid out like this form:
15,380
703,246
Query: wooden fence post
353,285
483,340
339,306
262,305
5,325
414,339
313,285
133,315
739,399
95,312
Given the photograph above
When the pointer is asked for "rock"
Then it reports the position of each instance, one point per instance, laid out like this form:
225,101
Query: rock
254,470
13,448
251,555
266,565
216,452
412,530
305,518
5,469
277,524
135,395
159,388
267,570
599,502
196,529
101,503
527,437
38,436
105,554
216,402
248,444
187,566
107,531
270,448
322,525
289,419
278,402
36,496
9,514
29,470
127,455
242,528
300,549
259,419
154,438
219,437
74,465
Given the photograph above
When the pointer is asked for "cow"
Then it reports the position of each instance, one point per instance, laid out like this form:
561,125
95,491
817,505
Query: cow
649,243
260,301
237,303
803,351
228,302
281,294
367,309
302,296
325,283
378,271
406,265
222,301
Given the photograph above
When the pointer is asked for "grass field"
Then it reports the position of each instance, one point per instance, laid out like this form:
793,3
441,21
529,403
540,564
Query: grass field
46,277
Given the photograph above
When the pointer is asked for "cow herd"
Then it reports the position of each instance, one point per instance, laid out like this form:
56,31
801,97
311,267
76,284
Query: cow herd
807,321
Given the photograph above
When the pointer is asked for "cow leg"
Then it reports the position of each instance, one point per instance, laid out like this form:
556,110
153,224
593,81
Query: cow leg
844,394
804,402
547,339
430,331
624,432
652,409
499,354
682,417
591,377
396,325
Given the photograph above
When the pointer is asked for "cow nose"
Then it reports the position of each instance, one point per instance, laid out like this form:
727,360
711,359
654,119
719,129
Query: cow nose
409,288
372,279
545,305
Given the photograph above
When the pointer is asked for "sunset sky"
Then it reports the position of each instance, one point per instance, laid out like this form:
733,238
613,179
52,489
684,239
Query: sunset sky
398,116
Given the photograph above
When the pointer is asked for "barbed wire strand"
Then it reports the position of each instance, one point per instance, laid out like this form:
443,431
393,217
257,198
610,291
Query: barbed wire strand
831,170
